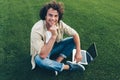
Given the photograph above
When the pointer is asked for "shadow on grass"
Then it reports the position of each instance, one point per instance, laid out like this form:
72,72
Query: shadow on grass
20,69
16,66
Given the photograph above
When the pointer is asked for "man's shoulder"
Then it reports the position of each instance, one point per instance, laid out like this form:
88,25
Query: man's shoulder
39,23
61,22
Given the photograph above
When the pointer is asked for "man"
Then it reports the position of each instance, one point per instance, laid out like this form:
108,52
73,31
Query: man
47,39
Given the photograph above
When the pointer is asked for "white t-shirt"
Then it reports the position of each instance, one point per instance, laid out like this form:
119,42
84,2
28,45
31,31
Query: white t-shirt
48,36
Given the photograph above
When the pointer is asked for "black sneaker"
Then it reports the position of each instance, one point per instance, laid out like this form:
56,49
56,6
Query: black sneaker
75,66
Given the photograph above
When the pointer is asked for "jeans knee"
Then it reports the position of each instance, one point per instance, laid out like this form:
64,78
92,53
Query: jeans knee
39,61
42,62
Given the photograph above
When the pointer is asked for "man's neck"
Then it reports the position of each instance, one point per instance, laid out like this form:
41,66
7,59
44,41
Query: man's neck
48,26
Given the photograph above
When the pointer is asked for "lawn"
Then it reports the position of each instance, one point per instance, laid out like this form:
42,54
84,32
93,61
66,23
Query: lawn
95,20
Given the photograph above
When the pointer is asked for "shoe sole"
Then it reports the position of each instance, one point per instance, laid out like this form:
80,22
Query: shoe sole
56,73
69,62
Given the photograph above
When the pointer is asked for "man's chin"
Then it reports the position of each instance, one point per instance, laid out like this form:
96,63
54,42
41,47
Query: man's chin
52,24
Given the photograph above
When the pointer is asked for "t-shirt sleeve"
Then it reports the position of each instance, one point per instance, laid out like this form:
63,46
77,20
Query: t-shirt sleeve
36,42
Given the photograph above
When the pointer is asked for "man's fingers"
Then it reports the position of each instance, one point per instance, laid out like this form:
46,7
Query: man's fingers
54,28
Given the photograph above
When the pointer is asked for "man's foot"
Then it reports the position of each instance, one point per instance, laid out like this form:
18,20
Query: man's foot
75,66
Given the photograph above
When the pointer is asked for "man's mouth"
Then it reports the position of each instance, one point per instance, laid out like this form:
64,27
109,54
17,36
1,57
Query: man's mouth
52,22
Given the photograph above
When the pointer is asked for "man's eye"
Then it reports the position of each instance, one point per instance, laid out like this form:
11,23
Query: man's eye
50,14
56,15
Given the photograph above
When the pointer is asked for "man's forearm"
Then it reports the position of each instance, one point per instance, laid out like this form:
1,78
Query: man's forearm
77,42
47,47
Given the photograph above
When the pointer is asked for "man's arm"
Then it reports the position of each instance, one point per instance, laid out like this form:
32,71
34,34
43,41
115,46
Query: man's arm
48,46
78,56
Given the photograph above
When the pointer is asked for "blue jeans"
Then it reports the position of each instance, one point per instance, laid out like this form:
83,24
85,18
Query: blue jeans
63,48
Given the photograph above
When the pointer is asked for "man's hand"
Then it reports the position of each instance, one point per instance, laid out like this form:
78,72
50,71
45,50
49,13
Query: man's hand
53,30
78,57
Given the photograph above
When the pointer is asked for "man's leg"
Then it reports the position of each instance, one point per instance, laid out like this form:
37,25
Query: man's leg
59,59
56,66
49,64
58,48
63,48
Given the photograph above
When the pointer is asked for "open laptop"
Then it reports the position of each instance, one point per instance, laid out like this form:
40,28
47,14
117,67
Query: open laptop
87,55
92,50
91,53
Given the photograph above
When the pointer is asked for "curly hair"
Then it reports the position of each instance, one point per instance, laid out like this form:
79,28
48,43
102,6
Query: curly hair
56,6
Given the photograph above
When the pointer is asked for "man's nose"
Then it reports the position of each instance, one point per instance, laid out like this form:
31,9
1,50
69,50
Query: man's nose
53,18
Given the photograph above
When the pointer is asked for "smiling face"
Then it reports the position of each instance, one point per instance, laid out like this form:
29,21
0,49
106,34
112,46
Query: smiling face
51,17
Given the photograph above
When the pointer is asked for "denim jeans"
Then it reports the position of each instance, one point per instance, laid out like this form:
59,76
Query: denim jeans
63,48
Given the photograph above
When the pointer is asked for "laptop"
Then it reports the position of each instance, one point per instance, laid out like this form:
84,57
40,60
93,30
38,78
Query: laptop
87,55
92,50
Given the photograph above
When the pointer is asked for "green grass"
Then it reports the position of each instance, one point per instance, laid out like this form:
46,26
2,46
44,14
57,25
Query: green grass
95,20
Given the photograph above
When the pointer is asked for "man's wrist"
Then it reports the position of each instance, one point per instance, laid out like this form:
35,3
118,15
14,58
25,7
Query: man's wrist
78,50
53,37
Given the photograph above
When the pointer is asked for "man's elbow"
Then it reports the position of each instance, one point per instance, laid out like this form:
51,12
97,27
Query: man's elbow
43,56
